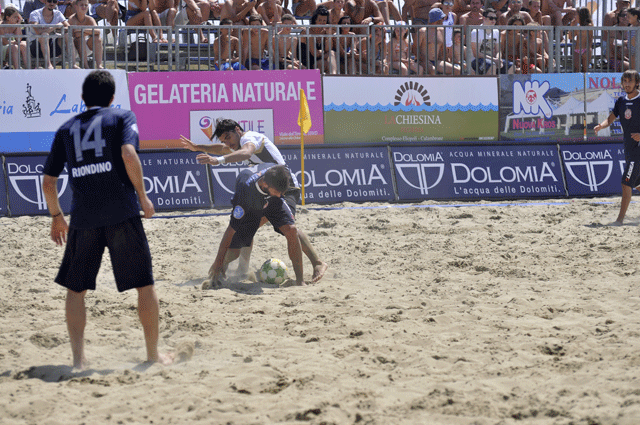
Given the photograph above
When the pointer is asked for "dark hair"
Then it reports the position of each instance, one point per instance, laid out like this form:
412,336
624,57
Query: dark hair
254,18
584,16
623,11
226,21
515,18
488,10
223,125
288,17
632,75
98,88
634,11
320,11
278,178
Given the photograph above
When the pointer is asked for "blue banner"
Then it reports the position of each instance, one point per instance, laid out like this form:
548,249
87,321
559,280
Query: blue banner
175,181
26,197
593,170
3,192
355,174
473,172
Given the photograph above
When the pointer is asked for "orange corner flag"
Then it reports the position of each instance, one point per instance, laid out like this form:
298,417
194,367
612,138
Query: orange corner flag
304,117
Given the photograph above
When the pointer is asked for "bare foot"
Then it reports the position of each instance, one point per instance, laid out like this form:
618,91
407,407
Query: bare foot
292,282
211,284
76,66
83,364
615,224
50,66
318,271
164,359
163,40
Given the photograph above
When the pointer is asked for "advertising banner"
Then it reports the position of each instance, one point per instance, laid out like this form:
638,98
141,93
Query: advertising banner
171,104
34,103
25,186
400,109
557,107
175,181
331,175
3,191
593,169
477,172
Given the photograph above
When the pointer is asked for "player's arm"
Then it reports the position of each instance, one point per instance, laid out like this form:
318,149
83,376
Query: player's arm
134,171
216,148
606,123
59,226
242,154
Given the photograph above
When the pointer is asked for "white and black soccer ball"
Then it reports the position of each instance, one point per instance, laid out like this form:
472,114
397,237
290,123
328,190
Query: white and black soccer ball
273,271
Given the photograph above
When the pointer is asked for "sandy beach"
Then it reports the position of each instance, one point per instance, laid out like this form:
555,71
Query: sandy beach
475,314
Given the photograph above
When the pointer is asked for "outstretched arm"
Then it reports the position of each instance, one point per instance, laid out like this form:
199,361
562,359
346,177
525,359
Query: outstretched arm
240,155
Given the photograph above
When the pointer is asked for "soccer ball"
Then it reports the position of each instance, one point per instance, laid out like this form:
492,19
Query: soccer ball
273,271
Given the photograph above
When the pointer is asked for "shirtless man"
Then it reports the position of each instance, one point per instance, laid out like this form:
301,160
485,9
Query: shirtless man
461,6
238,11
363,12
270,11
417,11
163,13
433,37
88,39
555,9
286,43
537,15
515,8
256,44
226,49
474,16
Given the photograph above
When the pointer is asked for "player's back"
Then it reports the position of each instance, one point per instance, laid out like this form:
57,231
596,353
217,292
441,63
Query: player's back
92,142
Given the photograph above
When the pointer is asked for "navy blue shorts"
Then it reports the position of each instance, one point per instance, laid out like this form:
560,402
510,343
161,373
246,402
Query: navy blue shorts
631,175
128,249
247,223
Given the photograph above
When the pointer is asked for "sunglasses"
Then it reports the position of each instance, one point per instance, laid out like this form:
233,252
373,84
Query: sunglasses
52,1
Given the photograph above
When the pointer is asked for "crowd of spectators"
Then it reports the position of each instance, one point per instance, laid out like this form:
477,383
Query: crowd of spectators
425,37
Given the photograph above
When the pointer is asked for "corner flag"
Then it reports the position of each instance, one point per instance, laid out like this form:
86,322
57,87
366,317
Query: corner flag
304,117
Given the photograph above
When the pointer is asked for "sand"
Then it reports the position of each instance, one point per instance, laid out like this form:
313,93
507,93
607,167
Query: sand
478,314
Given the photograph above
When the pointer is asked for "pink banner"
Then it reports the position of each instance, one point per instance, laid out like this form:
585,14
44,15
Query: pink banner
170,104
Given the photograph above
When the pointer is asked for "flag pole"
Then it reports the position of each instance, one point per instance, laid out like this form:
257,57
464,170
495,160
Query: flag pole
304,121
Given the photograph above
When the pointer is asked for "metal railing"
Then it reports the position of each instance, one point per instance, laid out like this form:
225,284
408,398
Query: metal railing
353,50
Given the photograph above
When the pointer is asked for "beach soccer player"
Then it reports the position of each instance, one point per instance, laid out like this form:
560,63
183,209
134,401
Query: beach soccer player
99,148
627,108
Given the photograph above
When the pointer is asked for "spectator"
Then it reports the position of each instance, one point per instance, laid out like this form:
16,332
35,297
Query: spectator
138,14
514,44
389,11
450,20
611,18
270,11
30,6
618,44
582,40
373,50
515,8
562,12
485,43
538,44
473,16
303,8
417,11
108,10
163,13
460,7
336,10
287,44
12,48
633,15
363,12
254,48
316,48
536,13
433,37
500,6
348,54
226,49
238,11
195,12
48,15
88,39
458,53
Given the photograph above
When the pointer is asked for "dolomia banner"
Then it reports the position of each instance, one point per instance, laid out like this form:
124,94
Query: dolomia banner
399,109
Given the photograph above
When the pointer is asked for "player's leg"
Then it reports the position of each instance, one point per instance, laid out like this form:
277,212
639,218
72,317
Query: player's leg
149,312
624,205
76,321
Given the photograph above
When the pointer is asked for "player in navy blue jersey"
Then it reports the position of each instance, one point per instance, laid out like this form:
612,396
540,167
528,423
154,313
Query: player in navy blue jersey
627,108
253,148
99,148
258,195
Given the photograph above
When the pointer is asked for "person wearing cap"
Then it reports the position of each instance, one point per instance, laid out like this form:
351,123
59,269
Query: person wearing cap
431,40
